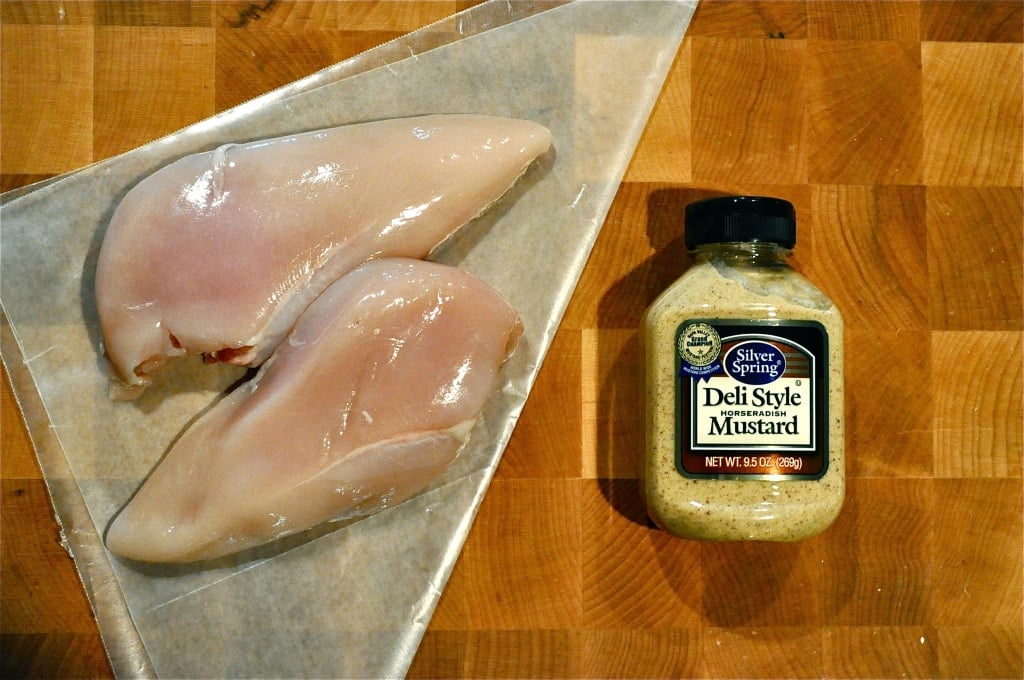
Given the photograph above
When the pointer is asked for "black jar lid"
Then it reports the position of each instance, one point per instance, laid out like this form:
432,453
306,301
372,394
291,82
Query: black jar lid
724,219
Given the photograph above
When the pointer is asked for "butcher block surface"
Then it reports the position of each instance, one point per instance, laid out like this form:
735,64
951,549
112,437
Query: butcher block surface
895,127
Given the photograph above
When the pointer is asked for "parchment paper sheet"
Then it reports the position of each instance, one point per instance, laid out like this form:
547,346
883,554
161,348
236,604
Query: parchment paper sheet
352,601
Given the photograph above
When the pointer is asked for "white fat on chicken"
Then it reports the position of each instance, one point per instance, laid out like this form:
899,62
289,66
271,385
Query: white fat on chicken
368,400
219,252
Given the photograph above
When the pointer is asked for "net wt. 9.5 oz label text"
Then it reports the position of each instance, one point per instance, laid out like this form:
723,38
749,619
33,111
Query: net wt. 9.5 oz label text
751,399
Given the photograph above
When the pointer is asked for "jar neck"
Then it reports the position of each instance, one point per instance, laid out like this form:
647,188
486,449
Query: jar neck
744,253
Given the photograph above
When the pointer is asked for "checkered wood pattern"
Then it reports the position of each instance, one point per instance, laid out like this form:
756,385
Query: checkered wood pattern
894,126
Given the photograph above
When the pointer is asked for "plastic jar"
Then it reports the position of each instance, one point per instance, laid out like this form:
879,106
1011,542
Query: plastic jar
744,382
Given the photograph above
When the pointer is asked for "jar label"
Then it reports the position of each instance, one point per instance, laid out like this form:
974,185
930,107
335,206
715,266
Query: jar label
751,399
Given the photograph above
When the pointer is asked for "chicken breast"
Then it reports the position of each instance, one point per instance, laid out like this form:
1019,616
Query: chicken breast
219,252
369,398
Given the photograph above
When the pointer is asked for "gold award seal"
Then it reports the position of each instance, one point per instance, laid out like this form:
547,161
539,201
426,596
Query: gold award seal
699,344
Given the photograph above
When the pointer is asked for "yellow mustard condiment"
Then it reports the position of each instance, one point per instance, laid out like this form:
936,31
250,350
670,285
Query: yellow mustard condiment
744,381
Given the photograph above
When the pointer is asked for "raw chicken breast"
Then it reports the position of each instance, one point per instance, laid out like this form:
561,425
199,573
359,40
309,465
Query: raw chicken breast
369,398
219,252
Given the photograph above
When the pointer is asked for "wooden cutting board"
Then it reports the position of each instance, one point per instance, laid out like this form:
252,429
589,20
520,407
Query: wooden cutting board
896,129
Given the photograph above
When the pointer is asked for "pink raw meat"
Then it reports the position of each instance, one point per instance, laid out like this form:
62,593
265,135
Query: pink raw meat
369,398
219,252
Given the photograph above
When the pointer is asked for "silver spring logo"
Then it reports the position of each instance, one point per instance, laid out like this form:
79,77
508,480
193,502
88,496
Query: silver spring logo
755,363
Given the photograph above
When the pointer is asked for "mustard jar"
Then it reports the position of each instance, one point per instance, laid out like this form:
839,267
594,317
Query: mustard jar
744,384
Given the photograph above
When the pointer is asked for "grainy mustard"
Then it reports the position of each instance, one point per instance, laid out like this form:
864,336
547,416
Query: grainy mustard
744,381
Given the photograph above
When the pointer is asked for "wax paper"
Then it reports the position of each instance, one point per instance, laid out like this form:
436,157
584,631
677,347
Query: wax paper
349,600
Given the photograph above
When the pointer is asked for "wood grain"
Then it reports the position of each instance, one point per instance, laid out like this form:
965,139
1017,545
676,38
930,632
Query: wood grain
901,409
894,126
982,21
975,373
735,79
974,257
47,71
883,229
864,106
864,20
971,99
